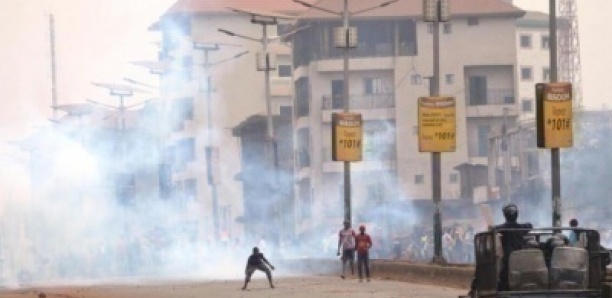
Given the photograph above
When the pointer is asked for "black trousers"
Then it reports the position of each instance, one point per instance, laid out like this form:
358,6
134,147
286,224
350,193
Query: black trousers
261,267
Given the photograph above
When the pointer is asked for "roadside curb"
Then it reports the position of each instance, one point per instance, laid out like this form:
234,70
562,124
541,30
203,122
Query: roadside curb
456,276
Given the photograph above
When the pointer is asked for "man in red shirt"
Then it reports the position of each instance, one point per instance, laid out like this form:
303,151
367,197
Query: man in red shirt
364,243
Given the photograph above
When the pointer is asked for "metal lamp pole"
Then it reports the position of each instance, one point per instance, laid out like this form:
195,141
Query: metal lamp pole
555,157
435,12
265,40
206,48
346,15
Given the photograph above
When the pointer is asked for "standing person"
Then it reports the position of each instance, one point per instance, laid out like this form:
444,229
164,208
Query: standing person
511,240
449,243
573,234
257,261
364,243
346,241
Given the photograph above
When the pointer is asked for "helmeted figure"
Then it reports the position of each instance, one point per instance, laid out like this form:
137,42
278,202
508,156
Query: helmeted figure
511,240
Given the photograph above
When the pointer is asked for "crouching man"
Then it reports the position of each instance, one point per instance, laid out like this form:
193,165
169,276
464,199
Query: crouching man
257,261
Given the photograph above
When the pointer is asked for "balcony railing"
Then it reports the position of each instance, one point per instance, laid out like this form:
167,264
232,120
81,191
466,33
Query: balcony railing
492,97
363,101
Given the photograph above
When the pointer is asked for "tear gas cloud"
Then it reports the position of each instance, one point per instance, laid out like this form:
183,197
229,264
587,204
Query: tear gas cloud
72,228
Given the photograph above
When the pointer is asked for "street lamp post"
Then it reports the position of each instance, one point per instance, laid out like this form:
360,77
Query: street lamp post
120,91
161,68
436,11
555,155
265,19
206,48
349,36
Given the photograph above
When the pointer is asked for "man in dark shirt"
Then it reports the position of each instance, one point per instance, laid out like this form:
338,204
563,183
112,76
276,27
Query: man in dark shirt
511,240
257,261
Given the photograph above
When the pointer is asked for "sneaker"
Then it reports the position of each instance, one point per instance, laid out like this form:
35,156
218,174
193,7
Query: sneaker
342,276
243,288
272,286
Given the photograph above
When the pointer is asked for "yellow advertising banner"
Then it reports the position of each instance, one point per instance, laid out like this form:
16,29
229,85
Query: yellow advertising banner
437,124
347,137
555,115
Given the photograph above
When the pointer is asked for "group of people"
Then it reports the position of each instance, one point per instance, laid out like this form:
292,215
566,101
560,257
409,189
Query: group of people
349,245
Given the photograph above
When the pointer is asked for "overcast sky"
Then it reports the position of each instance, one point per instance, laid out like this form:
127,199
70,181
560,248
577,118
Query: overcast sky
96,40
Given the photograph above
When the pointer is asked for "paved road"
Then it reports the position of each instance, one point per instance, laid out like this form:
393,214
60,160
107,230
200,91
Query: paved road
306,287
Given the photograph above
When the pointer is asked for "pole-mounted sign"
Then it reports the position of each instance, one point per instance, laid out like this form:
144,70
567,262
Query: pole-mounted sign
554,115
347,135
437,124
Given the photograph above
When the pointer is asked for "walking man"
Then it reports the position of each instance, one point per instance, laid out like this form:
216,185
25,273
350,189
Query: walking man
346,241
364,243
257,261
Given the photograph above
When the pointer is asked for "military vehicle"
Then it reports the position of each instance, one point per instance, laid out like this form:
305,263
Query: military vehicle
544,267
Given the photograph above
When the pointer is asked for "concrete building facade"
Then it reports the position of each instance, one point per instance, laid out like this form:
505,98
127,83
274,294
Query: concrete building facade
238,93
388,72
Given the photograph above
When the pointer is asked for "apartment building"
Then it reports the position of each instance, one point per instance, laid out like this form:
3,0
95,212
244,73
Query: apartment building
389,70
238,93
533,54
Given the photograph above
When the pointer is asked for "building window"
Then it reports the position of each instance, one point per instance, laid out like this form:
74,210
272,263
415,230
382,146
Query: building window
373,86
182,110
526,73
472,21
185,153
508,99
416,79
448,28
526,41
546,74
527,105
545,42
478,90
454,178
483,140
419,179
286,111
284,71
190,189
430,28
450,79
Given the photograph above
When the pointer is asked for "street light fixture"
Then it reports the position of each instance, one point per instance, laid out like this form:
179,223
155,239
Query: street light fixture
120,91
346,37
265,19
211,151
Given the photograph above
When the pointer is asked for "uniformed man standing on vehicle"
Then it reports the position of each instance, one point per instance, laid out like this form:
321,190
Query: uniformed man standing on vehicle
511,240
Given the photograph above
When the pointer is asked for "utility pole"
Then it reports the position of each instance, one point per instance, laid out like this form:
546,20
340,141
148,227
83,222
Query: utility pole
555,157
211,150
350,41
53,65
505,144
436,11
266,20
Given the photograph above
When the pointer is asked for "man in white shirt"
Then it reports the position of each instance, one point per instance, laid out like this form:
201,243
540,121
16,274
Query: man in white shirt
346,241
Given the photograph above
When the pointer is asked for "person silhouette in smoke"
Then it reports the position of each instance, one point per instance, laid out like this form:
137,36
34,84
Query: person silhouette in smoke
257,261
346,241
